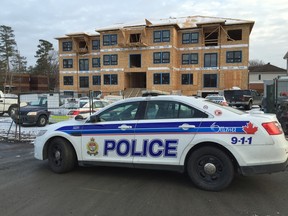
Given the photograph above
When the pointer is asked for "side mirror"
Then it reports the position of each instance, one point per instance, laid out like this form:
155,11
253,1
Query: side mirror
79,117
94,119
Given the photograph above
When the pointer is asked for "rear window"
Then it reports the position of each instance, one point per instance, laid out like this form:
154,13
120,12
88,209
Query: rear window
234,110
215,98
237,92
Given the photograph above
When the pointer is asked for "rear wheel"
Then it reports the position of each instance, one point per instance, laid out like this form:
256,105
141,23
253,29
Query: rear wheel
210,169
249,106
61,156
12,110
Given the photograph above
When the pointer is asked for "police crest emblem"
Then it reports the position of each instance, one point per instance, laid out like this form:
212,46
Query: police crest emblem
92,147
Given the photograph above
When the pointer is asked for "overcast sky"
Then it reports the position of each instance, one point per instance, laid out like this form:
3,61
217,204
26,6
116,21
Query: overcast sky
32,20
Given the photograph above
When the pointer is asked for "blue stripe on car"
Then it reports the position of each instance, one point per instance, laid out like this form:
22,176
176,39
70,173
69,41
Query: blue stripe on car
227,127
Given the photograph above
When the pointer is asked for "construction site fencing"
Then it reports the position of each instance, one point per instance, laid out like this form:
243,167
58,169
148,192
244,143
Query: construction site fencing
38,109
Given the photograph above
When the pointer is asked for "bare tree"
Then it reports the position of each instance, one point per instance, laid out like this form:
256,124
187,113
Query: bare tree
54,69
256,62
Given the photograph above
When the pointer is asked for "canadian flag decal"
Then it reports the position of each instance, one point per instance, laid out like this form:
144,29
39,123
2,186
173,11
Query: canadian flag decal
249,128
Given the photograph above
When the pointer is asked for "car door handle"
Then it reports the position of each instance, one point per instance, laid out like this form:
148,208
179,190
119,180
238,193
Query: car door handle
186,126
125,127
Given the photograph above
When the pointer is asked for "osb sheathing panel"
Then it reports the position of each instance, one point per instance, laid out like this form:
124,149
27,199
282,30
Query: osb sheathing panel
226,78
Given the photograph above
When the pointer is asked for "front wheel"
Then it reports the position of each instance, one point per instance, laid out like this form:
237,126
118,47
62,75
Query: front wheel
210,169
61,156
42,121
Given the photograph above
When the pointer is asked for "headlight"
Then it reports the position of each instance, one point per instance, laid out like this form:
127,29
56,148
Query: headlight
41,133
32,113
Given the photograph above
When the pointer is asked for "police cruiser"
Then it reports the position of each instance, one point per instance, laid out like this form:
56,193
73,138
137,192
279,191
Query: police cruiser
209,141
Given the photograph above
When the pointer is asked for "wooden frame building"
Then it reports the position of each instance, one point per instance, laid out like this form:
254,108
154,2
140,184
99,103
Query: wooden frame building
177,55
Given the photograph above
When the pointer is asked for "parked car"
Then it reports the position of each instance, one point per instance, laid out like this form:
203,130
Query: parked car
8,103
66,108
209,141
36,112
86,110
246,98
220,99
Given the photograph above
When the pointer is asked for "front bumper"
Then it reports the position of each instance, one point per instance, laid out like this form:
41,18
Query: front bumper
25,119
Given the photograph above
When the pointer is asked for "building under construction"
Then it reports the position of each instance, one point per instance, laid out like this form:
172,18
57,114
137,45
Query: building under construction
177,55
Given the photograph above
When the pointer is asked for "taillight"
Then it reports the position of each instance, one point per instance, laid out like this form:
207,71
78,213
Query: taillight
273,128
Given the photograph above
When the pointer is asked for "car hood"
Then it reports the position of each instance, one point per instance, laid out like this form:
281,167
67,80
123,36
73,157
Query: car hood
32,108
70,122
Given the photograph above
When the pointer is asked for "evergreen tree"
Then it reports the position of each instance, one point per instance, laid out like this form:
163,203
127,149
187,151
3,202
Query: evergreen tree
7,49
42,55
46,61
19,63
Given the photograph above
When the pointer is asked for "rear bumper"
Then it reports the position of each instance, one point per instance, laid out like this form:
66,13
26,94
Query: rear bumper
261,169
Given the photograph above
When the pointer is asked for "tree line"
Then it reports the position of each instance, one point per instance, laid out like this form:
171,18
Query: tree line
12,62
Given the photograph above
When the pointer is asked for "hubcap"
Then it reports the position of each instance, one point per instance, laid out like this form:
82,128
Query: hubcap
210,168
57,155
42,121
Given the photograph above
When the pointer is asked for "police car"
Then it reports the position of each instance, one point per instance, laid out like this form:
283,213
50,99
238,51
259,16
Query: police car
209,141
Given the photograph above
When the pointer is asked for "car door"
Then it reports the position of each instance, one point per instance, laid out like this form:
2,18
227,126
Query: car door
167,128
110,138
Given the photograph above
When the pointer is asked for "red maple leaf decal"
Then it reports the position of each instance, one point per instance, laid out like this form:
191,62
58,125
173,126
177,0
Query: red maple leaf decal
250,129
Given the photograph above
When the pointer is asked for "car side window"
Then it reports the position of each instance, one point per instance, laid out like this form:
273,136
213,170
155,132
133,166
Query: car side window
97,104
171,110
126,111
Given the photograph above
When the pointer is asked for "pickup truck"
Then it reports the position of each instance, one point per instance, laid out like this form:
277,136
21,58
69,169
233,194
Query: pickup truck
246,98
8,103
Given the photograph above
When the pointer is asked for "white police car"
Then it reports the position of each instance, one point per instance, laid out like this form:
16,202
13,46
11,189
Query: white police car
209,141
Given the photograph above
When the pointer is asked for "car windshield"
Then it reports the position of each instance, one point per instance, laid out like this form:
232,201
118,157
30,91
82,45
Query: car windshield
83,103
39,102
96,104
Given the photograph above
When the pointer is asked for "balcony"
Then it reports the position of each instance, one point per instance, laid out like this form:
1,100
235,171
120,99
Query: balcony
132,40
82,50
133,44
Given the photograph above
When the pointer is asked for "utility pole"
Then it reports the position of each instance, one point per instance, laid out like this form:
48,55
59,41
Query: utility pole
286,57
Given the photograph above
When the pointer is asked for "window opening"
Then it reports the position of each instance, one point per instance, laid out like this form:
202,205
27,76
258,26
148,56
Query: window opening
234,35
134,38
211,39
135,61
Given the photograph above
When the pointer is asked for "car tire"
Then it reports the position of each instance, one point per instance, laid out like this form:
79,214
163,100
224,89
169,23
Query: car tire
12,110
42,121
249,106
210,169
61,156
